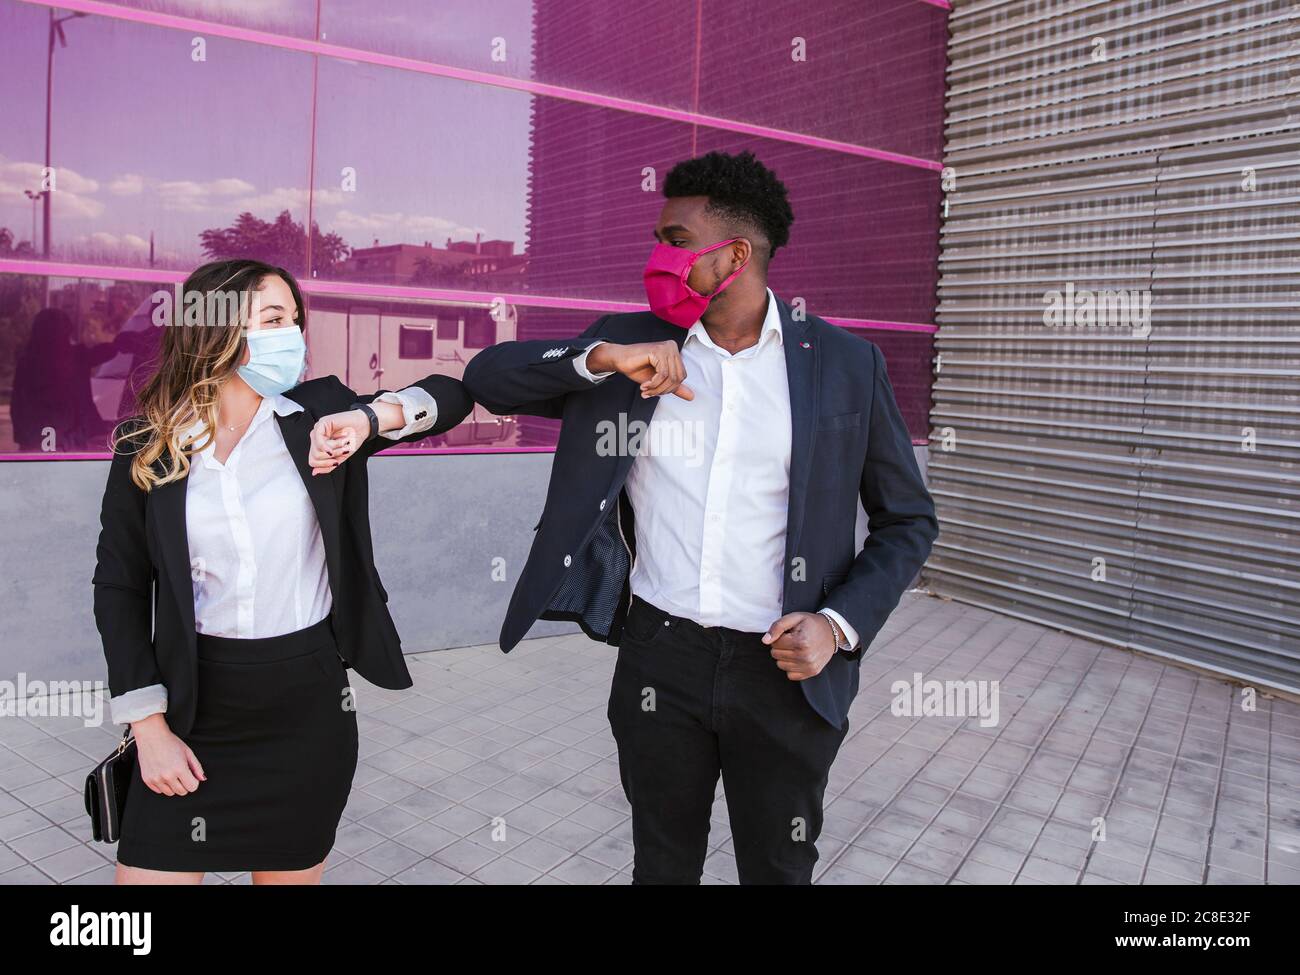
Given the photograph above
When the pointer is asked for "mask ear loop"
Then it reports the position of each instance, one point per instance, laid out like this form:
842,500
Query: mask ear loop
725,281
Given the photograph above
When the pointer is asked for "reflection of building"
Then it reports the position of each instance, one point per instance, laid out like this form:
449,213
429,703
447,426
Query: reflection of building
462,263
388,343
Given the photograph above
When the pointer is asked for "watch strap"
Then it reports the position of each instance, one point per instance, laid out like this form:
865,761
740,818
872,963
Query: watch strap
371,415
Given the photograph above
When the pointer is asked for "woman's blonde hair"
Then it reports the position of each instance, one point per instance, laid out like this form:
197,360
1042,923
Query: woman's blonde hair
202,346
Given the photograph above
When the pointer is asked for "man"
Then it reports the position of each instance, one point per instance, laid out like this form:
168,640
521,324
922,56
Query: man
715,546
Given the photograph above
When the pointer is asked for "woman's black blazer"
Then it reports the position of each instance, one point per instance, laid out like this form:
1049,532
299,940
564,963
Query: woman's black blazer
143,555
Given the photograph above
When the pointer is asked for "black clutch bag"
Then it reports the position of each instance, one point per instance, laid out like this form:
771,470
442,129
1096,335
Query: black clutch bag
106,790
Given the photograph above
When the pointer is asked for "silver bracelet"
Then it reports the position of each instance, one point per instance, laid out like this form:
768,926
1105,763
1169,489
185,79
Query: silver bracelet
841,641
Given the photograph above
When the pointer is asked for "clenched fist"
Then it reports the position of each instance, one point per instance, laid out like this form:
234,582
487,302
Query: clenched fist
802,644
656,366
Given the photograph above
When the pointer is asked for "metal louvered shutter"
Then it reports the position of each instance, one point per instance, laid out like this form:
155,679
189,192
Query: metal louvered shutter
1134,483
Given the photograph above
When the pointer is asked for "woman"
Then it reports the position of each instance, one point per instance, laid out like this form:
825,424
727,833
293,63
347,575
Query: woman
227,510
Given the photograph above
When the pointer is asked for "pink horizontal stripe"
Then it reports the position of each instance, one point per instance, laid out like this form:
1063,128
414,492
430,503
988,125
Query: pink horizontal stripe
155,19
883,326
944,4
43,455
419,452
68,269
317,286
358,290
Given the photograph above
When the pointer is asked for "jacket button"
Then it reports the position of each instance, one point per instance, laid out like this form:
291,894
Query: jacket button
568,561
421,415
602,504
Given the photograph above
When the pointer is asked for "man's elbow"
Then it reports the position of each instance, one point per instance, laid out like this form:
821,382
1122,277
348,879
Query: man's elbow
929,536
479,393
473,383
925,528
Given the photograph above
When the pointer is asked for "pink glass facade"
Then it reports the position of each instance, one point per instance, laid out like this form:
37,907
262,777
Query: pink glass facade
473,172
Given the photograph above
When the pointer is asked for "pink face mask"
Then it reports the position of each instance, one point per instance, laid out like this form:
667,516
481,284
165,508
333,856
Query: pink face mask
671,298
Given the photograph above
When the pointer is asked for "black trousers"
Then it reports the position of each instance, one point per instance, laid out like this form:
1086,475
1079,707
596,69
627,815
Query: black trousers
690,702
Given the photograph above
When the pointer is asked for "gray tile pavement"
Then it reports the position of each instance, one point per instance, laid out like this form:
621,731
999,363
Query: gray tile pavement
499,769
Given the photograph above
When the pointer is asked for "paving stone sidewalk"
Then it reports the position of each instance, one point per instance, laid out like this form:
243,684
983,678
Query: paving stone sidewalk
1190,787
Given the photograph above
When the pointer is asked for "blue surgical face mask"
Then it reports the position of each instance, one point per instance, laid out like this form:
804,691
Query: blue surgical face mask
275,359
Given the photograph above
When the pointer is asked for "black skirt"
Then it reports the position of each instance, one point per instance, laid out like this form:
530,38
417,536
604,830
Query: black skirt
276,734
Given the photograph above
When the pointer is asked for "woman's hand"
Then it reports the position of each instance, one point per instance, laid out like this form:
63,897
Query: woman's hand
167,765
335,438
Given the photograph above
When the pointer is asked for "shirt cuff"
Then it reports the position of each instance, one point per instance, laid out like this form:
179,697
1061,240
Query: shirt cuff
580,364
419,411
850,633
137,704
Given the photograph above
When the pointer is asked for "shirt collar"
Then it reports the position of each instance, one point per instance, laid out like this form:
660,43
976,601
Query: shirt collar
280,404
283,406
771,327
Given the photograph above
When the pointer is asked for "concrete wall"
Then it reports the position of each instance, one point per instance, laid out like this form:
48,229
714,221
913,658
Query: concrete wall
438,523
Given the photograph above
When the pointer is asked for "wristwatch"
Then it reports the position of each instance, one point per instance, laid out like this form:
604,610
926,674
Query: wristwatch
371,415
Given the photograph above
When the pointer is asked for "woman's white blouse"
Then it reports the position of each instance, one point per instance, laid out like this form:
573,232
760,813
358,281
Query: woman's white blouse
257,562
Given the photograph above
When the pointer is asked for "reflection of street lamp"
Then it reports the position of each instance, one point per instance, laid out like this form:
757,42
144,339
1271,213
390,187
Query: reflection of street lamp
34,197
56,29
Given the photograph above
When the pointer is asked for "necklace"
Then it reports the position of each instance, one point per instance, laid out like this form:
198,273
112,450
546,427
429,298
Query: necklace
246,422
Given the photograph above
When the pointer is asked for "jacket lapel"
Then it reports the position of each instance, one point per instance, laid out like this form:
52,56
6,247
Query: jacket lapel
296,430
801,371
168,505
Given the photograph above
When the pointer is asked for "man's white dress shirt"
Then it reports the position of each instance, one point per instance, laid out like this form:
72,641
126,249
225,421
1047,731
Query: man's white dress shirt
257,563
711,485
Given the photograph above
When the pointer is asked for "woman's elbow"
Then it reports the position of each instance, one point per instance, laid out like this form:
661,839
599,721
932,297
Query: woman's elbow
454,403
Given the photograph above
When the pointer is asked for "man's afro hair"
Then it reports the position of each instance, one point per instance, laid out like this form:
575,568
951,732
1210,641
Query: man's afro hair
739,187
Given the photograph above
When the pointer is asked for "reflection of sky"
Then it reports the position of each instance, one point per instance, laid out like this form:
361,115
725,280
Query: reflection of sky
147,140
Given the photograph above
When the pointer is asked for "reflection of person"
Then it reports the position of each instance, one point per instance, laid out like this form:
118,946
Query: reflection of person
139,340
225,504
723,567
52,407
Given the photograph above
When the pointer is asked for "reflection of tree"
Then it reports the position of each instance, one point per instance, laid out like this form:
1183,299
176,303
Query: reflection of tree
8,247
428,272
282,242
21,297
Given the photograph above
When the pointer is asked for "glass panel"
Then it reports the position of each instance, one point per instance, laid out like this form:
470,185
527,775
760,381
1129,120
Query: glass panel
457,191
868,74
295,18
425,179
591,45
72,352
159,160
441,200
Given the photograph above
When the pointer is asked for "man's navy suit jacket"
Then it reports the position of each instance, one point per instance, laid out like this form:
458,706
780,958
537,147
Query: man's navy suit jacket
848,443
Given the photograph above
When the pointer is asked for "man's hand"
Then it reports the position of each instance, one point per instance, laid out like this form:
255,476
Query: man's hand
656,366
335,438
801,644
